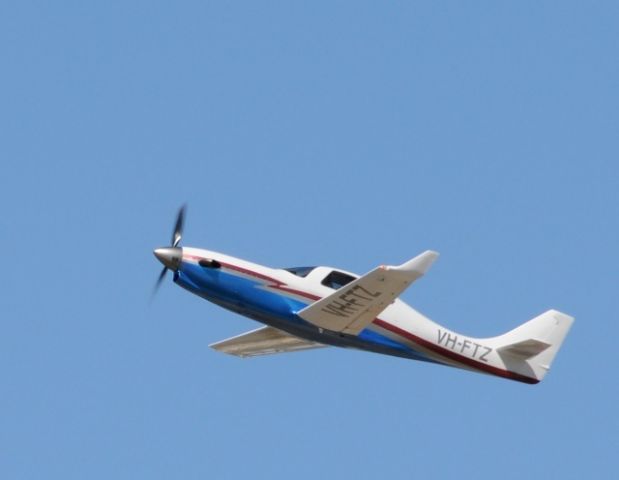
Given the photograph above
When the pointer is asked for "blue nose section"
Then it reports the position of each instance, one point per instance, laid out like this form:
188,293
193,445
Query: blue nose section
171,257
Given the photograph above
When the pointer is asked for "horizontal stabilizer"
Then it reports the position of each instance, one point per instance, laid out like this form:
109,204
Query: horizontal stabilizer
263,341
525,349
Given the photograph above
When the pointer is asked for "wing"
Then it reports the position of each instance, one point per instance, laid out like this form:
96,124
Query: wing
353,307
263,341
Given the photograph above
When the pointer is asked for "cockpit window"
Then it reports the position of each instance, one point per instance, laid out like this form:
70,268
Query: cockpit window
337,279
300,271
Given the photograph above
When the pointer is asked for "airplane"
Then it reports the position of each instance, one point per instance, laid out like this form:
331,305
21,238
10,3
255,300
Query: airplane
313,307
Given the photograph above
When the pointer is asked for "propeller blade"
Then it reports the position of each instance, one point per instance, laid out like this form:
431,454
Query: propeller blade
159,280
171,257
178,228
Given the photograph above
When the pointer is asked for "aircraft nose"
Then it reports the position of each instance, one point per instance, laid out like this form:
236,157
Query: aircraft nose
170,256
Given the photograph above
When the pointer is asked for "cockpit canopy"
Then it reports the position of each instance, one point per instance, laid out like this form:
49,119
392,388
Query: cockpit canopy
333,278
300,271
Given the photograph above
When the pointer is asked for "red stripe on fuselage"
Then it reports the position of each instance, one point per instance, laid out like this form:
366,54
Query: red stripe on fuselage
453,355
273,282
279,285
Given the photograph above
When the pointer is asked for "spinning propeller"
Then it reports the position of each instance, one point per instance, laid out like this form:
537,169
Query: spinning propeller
171,256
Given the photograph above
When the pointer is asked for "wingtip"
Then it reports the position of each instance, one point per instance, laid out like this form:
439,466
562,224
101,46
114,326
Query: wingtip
421,263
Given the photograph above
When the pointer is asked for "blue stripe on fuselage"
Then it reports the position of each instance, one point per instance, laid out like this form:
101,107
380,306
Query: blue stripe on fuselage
249,297
370,337
243,294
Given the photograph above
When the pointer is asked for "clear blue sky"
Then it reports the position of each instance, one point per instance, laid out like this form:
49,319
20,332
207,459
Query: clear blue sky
340,133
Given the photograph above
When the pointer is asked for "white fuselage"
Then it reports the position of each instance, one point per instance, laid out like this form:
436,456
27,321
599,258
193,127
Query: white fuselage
275,296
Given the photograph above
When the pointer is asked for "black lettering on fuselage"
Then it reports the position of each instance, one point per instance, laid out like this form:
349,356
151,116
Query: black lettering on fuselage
451,339
485,354
463,346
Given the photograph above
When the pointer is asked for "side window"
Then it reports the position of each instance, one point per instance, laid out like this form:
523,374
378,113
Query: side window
337,280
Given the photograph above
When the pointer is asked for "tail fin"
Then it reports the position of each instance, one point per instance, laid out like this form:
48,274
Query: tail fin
531,347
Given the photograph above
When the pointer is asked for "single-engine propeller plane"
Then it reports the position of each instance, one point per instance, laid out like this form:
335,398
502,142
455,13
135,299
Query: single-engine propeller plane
313,307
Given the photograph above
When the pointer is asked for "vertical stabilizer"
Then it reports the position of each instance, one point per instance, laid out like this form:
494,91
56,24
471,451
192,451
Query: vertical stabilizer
531,347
